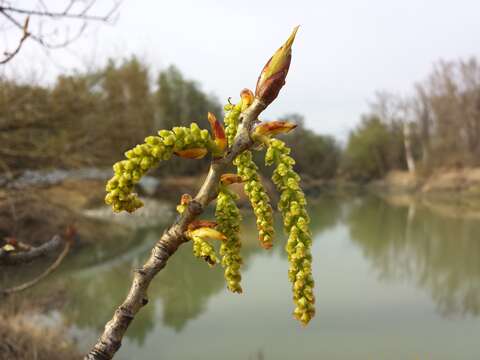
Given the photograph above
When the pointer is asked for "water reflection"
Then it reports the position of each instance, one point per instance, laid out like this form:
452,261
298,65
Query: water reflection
439,253
411,249
181,291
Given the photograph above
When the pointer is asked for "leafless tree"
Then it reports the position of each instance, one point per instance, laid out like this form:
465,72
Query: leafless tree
423,115
51,27
396,111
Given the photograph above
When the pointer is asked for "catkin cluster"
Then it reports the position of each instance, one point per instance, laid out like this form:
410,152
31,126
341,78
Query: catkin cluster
258,197
145,156
292,205
228,217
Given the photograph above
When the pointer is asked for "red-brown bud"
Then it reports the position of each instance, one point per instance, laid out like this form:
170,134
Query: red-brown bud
247,98
271,128
11,241
184,201
227,179
202,223
193,153
272,77
218,132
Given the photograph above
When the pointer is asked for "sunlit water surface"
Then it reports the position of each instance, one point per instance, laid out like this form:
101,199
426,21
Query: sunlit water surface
392,282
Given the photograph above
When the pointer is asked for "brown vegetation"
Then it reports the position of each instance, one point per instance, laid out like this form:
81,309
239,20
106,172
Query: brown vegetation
24,339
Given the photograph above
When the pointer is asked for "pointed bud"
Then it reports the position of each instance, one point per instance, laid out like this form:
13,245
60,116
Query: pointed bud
247,98
184,201
202,223
218,132
272,128
193,153
272,77
70,232
227,179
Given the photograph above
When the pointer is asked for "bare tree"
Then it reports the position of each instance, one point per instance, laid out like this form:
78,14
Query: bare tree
407,117
423,115
51,27
395,111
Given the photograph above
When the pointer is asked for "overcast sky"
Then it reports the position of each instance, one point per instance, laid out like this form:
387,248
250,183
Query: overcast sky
344,51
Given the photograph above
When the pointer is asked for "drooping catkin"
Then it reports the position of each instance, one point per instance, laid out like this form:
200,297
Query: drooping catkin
247,169
204,250
231,121
228,218
258,197
189,142
292,205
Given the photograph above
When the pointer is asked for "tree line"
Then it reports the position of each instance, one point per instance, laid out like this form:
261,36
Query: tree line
436,126
89,119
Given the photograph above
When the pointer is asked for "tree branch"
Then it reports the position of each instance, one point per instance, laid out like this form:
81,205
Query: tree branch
66,14
24,257
10,13
9,55
48,271
110,341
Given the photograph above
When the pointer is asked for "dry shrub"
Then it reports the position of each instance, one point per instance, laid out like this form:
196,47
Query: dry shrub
23,339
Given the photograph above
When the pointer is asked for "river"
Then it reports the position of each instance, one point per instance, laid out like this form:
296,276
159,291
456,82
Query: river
393,281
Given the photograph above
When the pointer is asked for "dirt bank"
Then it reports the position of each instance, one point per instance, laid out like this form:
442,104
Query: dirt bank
33,215
461,181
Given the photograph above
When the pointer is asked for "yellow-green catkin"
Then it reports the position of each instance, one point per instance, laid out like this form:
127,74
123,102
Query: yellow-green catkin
254,189
203,249
258,197
292,205
228,219
231,121
145,156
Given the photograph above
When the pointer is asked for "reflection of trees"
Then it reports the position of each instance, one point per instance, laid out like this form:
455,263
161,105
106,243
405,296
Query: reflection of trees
439,253
324,213
94,294
186,284
97,282
183,288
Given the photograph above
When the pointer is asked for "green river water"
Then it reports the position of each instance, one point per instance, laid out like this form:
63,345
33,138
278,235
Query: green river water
392,282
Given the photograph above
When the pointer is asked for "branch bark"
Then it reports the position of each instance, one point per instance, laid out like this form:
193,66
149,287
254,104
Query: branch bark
111,339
